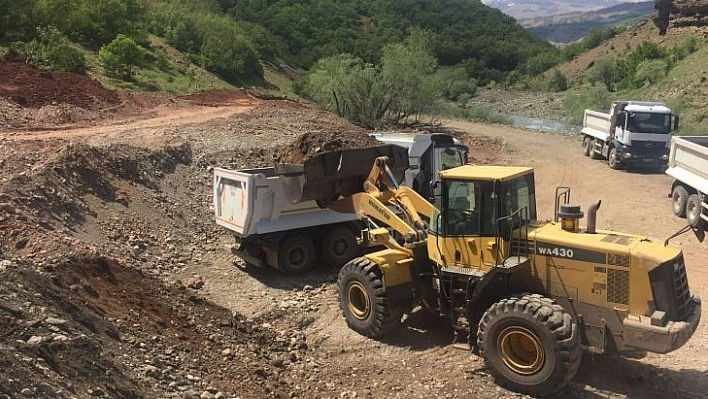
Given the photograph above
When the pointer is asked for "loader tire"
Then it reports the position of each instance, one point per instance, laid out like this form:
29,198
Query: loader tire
530,344
338,247
296,255
679,196
693,210
363,299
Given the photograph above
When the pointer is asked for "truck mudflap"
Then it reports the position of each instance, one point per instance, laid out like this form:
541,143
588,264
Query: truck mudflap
639,332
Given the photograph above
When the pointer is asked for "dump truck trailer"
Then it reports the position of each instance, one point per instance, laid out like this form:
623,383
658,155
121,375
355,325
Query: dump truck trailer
277,223
688,165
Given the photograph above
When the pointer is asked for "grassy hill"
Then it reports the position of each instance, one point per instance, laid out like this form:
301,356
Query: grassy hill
684,88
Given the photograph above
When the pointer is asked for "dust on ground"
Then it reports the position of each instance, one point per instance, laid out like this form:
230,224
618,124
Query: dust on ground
115,281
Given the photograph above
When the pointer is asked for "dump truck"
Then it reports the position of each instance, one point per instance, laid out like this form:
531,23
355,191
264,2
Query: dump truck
688,165
273,224
633,133
526,295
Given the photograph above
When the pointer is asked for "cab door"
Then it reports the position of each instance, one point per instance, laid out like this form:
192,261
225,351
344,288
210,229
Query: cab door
457,228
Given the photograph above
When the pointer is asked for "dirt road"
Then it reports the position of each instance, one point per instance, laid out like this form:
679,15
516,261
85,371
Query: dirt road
139,193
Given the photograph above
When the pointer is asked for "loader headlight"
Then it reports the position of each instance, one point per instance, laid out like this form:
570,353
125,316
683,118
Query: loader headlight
628,155
665,157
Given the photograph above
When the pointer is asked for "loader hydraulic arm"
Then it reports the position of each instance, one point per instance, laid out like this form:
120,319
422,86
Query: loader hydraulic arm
381,191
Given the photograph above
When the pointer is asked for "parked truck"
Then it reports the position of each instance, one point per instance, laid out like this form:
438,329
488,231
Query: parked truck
633,133
688,165
273,226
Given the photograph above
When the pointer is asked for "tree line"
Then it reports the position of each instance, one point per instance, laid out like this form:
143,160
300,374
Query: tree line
233,37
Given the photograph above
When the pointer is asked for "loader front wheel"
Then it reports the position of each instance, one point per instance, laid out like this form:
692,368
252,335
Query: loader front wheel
296,255
364,301
530,344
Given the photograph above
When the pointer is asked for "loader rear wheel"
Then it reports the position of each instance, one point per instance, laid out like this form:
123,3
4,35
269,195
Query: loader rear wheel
338,247
530,343
679,196
587,146
693,210
364,301
296,255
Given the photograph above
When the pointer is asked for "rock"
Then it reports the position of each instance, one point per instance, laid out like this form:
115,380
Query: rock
206,395
151,370
195,283
55,321
35,340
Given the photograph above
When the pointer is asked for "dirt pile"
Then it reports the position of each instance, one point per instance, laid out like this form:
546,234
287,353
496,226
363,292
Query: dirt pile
28,86
313,143
87,239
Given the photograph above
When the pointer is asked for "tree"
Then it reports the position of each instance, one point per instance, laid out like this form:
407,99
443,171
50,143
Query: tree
558,81
51,49
229,53
407,70
119,56
651,71
606,71
401,90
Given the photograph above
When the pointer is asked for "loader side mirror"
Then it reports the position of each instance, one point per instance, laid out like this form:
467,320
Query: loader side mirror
676,122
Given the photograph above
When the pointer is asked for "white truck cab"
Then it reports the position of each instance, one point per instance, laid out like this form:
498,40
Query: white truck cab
634,133
428,155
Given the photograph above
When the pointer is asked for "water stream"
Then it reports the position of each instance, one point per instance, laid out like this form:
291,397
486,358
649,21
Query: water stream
545,125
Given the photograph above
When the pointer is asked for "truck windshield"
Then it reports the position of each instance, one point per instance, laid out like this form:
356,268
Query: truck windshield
645,122
451,157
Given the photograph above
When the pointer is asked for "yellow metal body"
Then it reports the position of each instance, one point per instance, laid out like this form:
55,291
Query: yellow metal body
605,269
626,291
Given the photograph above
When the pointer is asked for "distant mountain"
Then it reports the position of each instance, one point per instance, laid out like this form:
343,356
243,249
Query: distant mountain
567,28
525,9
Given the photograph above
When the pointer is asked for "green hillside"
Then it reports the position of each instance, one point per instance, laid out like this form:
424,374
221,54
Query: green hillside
234,39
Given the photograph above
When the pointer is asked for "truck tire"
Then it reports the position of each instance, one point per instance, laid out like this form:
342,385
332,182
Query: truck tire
296,255
679,196
693,210
364,301
593,153
530,344
612,159
338,247
587,146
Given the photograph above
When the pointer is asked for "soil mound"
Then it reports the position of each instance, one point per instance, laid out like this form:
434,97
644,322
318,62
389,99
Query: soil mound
29,86
310,144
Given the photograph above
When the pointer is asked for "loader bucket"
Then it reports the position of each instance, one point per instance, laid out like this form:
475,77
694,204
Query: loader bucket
329,175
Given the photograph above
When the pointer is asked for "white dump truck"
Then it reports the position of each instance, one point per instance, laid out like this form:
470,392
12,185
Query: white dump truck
634,133
276,224
688,165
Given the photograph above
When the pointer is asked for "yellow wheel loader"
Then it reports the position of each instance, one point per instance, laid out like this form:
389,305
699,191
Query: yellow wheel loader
529,295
